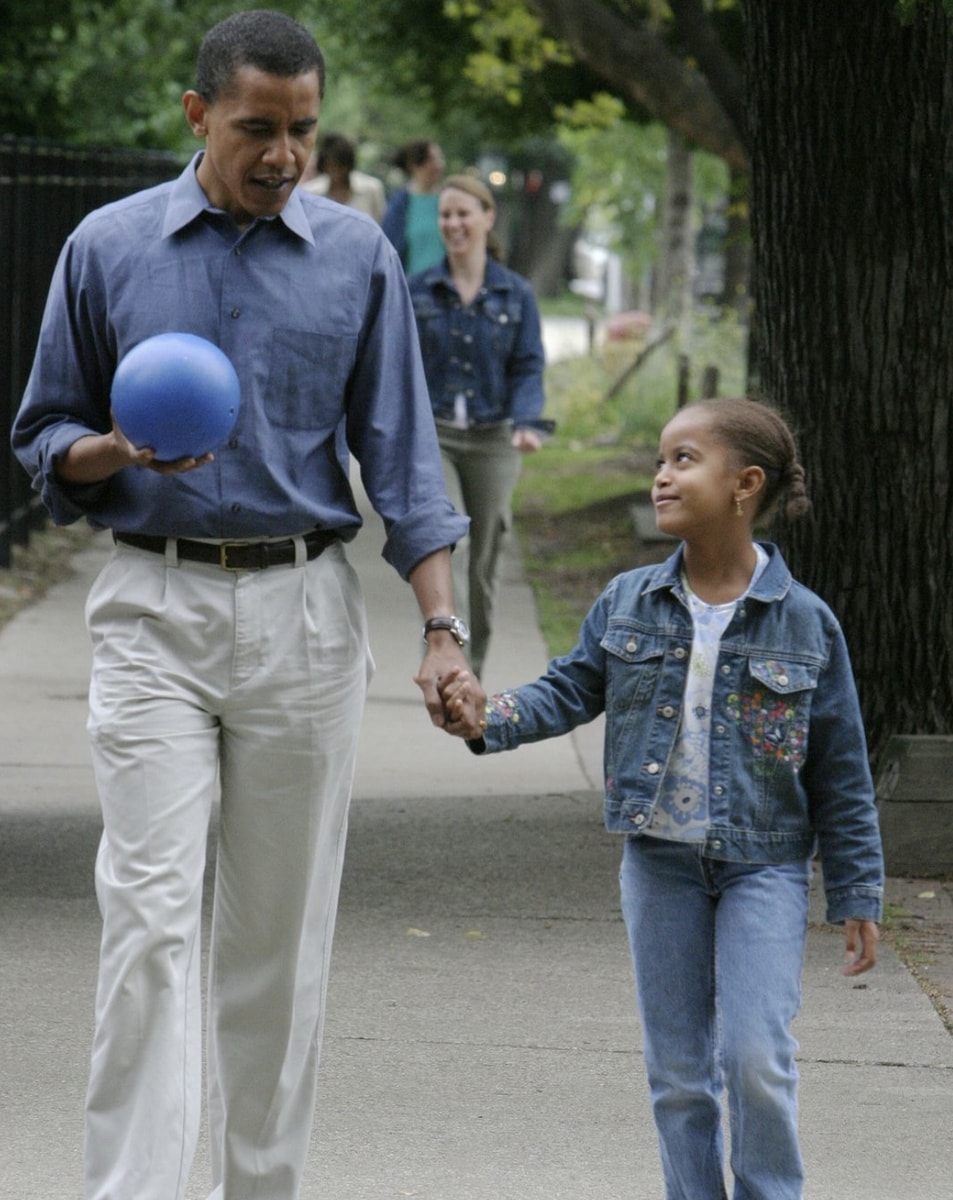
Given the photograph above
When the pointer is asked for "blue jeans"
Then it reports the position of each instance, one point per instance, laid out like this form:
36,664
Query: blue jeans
718,949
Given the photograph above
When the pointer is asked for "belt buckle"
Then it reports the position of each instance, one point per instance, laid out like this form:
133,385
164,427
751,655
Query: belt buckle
223,550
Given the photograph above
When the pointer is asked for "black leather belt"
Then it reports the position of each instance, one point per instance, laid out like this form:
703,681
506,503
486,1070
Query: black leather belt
234,556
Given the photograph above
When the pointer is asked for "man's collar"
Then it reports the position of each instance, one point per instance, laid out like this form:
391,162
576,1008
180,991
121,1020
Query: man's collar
188,201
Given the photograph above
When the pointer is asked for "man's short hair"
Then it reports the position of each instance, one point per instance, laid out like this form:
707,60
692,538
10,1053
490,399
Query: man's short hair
269,41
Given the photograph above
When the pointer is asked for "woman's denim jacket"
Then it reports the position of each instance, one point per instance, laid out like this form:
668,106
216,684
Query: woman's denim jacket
788,761
490,351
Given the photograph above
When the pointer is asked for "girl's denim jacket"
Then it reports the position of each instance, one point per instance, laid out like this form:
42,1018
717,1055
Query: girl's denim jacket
490,351
789,771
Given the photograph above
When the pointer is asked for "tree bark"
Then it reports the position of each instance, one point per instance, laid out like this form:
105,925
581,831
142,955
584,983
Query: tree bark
851,127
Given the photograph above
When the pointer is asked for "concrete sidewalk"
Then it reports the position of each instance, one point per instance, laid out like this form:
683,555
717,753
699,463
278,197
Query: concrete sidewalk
481,1040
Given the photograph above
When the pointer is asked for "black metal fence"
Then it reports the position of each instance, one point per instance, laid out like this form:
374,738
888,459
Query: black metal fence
45,190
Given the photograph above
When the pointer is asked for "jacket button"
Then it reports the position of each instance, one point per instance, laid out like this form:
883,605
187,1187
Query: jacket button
783,680
667,711
653,768
680,652
717,844
631,647
639,819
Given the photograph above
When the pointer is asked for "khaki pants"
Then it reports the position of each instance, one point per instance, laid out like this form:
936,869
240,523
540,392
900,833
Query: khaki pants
249,685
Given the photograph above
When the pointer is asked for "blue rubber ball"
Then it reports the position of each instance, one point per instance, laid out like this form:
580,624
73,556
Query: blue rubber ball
176,393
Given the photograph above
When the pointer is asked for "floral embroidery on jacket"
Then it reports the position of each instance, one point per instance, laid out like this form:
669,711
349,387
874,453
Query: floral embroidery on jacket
506,704
775,731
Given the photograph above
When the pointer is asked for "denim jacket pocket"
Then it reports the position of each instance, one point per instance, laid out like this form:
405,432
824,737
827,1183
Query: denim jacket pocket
504,324
634,662
773,711
307,376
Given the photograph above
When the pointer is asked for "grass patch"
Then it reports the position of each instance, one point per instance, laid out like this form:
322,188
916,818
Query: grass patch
573,504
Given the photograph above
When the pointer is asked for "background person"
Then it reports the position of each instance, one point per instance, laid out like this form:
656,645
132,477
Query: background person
228,631
734,748
483,355
411,217
338,179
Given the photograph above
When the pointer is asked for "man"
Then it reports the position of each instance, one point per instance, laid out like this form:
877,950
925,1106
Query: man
228,629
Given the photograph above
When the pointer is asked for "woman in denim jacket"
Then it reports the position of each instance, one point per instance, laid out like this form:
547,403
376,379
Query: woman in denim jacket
734,750
483,355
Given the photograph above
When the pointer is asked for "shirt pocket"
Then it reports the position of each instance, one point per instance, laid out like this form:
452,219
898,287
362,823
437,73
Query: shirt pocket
307,377
634,661
773,710
502,325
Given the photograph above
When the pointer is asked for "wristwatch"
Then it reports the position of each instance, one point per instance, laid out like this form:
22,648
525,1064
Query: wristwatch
453,625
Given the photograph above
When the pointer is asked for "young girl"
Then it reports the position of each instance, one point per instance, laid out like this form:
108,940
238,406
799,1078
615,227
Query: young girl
734,749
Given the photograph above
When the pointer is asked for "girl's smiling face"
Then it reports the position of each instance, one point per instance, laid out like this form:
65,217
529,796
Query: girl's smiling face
697,479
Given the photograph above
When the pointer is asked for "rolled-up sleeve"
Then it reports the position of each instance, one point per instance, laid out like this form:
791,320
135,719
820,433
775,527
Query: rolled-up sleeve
391,429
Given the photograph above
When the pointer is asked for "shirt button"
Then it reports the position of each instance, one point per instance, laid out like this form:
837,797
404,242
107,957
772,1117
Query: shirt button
236,312
653,768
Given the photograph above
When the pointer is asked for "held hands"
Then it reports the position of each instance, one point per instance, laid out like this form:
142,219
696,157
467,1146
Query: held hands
861,946
443,666
464,702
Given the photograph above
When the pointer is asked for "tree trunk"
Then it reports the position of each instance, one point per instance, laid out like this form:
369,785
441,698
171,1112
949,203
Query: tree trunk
736,293
851,125
672,275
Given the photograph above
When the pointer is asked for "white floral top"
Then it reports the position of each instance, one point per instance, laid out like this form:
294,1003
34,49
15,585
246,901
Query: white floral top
682,811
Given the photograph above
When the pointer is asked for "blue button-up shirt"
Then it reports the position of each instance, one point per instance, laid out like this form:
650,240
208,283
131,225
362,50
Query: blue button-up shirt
313,310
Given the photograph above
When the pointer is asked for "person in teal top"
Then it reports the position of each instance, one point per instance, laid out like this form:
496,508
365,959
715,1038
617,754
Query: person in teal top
410,220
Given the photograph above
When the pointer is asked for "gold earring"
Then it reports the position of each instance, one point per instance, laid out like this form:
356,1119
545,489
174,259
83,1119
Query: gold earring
739,511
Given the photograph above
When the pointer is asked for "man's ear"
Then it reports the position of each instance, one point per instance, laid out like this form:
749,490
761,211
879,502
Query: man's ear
195,110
